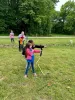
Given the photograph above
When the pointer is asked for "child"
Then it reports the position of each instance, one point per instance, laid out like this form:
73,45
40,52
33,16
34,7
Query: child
12,36
33,46
29,55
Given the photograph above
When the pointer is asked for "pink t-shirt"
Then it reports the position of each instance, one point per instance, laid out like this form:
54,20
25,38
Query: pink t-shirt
11,35
30,53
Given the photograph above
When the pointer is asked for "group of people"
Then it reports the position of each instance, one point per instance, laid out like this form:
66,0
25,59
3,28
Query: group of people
28,51
21,38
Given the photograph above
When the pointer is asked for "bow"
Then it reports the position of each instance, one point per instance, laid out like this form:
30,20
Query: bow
38,61
41,52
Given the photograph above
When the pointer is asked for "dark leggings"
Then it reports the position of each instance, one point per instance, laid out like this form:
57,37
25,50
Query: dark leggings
28,66
21,46
12,39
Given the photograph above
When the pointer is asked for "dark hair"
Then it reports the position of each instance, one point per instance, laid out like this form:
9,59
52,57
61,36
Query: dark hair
30,41
27,45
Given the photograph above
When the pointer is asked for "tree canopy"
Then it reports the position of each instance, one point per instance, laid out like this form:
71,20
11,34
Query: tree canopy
65,19
37,17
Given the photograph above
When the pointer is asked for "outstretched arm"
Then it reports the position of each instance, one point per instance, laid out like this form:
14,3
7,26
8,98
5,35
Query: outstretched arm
37,51
38,46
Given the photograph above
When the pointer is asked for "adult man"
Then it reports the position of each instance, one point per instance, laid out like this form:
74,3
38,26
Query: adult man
19,37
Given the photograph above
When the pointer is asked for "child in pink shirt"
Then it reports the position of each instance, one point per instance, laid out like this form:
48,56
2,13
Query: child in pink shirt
29,55
12,36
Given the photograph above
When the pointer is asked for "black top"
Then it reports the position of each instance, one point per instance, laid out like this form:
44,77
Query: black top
37,46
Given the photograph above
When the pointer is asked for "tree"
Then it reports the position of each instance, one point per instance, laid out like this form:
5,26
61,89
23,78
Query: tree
57,23
37,15
3,8
32,16
67,14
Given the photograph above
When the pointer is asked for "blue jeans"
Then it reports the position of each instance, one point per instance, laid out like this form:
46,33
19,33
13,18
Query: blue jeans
28,66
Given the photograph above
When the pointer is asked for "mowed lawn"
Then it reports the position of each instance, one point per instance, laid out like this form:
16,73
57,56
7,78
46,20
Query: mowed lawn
55,80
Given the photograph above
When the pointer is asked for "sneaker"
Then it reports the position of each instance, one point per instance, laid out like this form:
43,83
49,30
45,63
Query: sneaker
25,76
35,74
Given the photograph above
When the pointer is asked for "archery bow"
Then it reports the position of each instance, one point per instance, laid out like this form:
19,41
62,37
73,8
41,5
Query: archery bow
38,61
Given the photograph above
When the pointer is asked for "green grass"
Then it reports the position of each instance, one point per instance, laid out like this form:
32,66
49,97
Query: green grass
57,64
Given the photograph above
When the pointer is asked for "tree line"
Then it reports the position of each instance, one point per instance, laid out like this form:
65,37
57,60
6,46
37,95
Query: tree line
37,17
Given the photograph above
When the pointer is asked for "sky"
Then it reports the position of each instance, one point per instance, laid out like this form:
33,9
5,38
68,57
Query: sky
60,3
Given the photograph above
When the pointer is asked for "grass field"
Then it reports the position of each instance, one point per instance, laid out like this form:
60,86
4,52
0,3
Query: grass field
57,82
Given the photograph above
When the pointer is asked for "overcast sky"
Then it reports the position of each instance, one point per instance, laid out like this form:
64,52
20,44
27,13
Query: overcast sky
60,3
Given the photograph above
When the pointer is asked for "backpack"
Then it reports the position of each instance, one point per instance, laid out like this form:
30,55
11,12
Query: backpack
24,52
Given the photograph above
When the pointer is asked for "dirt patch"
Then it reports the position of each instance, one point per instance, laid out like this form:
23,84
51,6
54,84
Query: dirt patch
7,46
